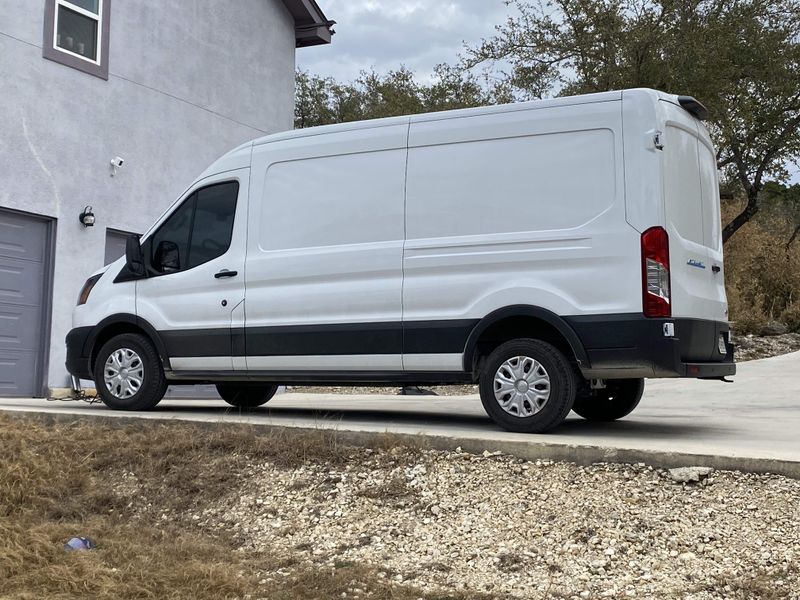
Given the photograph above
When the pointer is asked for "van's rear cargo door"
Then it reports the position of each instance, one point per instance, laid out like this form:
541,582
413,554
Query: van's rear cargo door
712,224
691,206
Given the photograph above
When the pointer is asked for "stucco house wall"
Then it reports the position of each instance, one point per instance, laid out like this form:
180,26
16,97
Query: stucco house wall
188,80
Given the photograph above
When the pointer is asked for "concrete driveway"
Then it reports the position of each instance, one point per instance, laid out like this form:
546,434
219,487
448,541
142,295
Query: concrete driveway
752,424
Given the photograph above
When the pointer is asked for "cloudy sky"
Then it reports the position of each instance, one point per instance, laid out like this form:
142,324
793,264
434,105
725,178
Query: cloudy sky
383,34
387,33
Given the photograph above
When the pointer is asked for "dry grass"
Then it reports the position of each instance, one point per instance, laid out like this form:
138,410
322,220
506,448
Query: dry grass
57,481
762,275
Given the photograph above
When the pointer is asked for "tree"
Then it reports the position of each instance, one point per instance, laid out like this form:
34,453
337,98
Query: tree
741,58
783,201
321,101
311,100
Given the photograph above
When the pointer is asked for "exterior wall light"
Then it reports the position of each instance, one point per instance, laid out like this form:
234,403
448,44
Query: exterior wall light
87,217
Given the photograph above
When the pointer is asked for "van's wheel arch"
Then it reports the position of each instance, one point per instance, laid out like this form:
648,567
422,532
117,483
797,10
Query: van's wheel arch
527,385
615,401
520,322
128,373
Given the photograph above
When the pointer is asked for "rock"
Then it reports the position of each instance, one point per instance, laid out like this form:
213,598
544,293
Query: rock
689,474
79,544
774,328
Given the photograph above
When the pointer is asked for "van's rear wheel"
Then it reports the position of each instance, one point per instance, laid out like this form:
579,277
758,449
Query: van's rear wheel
528,386
128,373
246,395
616,400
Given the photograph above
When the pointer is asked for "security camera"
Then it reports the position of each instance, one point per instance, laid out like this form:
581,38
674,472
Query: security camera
116,163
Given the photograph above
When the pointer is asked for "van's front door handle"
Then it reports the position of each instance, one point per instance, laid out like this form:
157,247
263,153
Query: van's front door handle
225,273
716,269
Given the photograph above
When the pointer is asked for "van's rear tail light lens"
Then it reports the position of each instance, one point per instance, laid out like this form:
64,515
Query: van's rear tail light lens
87,288
655,273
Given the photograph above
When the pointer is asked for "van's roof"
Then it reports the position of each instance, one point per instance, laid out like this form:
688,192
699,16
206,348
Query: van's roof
239,157
464,112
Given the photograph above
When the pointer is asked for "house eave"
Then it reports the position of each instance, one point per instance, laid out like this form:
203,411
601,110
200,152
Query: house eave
311,26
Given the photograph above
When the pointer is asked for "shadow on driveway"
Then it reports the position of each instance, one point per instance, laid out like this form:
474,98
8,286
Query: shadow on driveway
441,421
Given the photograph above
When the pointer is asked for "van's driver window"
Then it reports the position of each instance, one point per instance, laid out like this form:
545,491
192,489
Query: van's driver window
198,231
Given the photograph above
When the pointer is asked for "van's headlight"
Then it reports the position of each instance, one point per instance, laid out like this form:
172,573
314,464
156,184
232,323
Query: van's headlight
87,288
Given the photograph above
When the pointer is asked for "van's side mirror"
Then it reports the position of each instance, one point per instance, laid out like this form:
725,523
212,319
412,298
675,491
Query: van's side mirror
167,257
134,257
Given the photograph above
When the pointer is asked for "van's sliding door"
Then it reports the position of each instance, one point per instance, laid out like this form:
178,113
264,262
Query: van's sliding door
324,261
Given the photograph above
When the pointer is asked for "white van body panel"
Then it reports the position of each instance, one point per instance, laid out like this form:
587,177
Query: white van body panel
495,216
382,251
187,303
325,242
643,119
692,218
107,298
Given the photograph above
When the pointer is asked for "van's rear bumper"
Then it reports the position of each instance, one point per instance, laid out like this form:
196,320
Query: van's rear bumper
631,345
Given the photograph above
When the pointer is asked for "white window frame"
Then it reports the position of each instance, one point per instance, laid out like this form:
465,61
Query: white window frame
86,13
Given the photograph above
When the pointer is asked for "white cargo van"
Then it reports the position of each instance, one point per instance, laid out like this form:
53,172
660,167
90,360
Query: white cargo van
556,252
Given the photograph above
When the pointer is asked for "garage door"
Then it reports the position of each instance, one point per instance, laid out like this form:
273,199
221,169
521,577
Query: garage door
23,294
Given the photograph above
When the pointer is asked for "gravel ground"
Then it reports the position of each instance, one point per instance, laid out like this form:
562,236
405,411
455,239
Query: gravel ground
512,528
752,347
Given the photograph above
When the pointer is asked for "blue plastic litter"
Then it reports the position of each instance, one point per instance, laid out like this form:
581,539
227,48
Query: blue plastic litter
79,543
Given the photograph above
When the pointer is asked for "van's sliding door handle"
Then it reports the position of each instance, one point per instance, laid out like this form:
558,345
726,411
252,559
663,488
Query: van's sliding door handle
716,268
226,273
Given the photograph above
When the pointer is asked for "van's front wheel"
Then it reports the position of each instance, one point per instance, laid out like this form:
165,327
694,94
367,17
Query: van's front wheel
616,400
528,386
128,373
246,395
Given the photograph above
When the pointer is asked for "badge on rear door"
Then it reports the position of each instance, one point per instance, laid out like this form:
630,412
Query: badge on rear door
695,263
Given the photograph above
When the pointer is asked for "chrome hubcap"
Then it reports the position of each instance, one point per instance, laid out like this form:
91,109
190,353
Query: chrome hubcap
521,386
123,373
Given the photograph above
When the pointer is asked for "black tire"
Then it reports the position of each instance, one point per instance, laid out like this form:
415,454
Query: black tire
563,385
616,400
153,384
246,395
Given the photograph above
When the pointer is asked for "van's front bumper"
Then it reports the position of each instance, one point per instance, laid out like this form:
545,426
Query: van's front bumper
628,346
78,353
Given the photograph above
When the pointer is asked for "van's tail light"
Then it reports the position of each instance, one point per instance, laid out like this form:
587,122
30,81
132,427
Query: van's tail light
655,273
